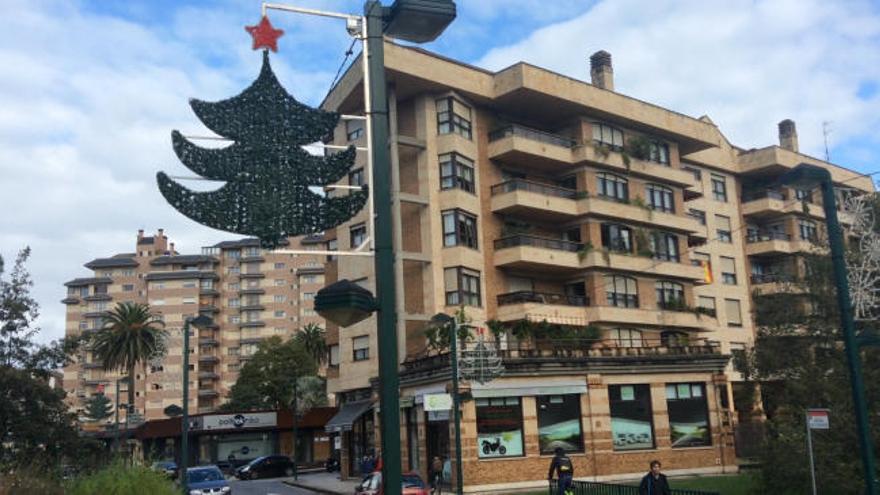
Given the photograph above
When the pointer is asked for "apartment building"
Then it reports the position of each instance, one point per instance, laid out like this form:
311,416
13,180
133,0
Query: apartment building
249,293
611,245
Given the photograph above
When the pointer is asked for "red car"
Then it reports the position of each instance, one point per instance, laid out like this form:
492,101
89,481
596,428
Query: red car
412,484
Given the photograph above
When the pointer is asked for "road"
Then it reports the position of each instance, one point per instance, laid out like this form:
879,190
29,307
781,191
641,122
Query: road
266,487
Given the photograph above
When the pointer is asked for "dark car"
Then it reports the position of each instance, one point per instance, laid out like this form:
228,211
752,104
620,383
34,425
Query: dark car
206,480
168,468
269,466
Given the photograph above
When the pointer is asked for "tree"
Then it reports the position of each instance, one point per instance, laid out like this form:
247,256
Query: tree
799,361
98,407
131,335
36,428
266,172
313,338
267,380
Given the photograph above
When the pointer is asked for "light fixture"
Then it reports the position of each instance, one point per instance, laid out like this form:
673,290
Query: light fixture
418,21
344,303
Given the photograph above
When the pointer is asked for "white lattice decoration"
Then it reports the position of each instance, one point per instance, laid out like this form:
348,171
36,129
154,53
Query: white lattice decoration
480,363
863,266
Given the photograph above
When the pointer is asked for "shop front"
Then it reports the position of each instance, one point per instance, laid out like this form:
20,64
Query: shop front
354,432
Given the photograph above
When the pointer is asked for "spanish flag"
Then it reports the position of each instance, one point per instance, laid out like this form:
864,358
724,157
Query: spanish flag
707,271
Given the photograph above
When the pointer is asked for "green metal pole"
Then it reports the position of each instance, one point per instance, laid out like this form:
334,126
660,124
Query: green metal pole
844,303
293,439
116,437
453,348
386,293
184,427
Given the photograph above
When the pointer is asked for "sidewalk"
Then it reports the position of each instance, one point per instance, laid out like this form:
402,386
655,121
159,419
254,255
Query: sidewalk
323,482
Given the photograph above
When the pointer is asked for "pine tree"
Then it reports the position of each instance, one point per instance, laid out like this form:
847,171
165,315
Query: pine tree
98,408
266,170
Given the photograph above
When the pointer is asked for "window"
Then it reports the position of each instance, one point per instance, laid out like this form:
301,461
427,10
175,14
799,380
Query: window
279,266
235,319
706,305
697,173
252,251
308,296
621,291
361,348
664,246
499,427
626,337
354,129
233,367
617,237
722,228
670,295
232,270
734,315
333,353
459,229
280,282
233,254
280,313
728,270
559,423
279,298
127,287
358,234
632,426
356,177
660,198
808,230
700,215
233,351
462,286
688,414
308,279
456,171
189,300
233,302
698,259
719,188
233,286
608,136
612,186
659,152
153,286
453,116
804,195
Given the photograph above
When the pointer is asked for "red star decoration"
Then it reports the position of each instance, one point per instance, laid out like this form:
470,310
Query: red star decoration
265,36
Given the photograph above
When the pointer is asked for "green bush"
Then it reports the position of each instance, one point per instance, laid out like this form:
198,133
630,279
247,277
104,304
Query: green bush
118,479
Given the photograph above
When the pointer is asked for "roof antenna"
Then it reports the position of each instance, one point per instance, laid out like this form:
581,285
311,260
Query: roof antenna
826,130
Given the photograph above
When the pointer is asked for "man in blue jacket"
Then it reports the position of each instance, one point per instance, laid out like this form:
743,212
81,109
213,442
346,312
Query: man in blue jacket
654,483
564,471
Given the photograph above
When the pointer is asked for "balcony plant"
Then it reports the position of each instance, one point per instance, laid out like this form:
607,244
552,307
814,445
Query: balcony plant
438,336
584,251
638,147
643,244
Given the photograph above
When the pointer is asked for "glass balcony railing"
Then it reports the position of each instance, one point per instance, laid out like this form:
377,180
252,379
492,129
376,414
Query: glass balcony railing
753,237
532,134
540,242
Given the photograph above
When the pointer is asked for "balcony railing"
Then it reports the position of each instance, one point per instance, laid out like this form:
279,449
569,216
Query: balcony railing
535,187
540,242
753,237
532,134
769,278
525,296
765,194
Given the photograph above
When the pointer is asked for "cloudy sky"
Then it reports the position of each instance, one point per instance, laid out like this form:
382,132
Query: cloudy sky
90,90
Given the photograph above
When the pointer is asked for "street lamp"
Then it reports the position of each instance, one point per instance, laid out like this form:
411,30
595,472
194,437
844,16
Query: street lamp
198,322
808,175
442,320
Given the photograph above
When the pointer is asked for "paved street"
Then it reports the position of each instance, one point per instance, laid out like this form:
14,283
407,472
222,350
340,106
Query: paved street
265,487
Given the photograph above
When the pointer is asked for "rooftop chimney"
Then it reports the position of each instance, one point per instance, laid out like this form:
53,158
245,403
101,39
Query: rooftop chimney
140,234
161,232
172,249
601,72
788,135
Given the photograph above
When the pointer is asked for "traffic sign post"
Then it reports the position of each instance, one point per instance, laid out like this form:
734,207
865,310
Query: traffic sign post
817,419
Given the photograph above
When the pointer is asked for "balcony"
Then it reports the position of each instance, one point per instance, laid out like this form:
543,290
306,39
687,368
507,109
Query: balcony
210,341
775,243
208,375
653,170
95,314
770,203
560,310
521,145
603,258
70,300
533,252
252,307
252,290
208,291
776,283
208,392
208,308
208,358
252,324
537,200
92,366
252,275
520,297
255,339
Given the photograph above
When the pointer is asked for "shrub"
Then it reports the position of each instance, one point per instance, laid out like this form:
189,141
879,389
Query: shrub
118,479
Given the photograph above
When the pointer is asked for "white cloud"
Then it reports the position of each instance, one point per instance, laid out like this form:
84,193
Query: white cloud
746,64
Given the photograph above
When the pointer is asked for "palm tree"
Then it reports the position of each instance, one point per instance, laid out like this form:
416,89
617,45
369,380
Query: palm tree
313,339
131,334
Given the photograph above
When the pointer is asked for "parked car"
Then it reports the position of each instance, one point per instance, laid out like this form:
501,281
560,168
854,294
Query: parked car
207,480
268,466
168,468
411,484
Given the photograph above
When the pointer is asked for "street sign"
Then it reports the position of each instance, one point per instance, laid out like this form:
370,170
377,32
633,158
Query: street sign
817,419
438,402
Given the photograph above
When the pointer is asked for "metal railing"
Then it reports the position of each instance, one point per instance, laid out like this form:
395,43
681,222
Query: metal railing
768,278
753,237
533,134
540,242
527,296
765,194
535,187
595,488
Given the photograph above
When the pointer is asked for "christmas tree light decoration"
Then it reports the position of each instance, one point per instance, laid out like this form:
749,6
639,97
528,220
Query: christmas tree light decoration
266,170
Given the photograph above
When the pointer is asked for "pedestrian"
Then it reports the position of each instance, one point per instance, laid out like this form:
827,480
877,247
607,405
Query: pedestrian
437,474
561,464
654,483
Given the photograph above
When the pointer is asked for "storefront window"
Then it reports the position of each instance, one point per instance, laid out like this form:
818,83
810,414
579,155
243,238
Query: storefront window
559,423
499,427
632,425
688,414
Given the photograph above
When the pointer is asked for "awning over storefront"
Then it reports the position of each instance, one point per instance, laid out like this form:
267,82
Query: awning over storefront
505,388
347,415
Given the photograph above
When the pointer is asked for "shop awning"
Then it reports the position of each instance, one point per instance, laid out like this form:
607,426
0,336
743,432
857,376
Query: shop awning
347,415
513,389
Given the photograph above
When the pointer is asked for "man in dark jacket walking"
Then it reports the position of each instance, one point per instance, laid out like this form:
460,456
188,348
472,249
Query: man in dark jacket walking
564,471
654,483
